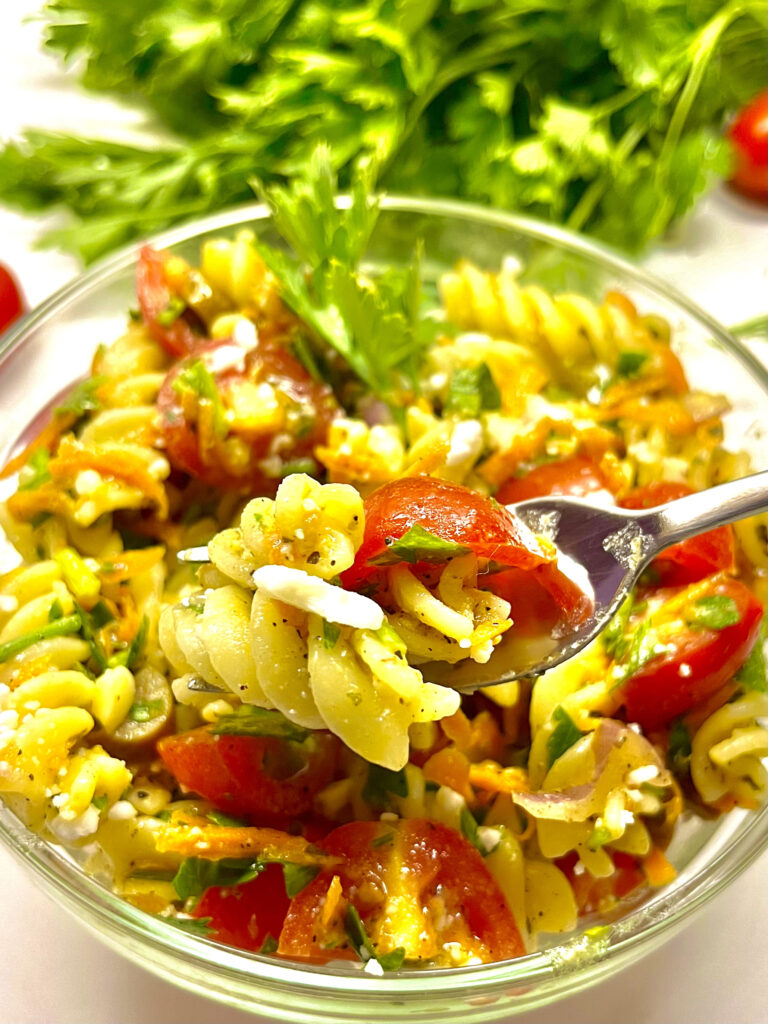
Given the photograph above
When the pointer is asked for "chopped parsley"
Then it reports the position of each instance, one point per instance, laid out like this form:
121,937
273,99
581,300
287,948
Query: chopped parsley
717,611
145,710
383,782
297,877
195,874
472,390
362,945
252,721
195,377
82,398
630,363
331,633
38,463
418,545
563,736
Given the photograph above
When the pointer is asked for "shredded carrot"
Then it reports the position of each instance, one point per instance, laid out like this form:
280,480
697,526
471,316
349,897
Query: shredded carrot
449,767
623,302
657,868
332,900
72,458
490,775
196,837
128,564
669,414
47,438
24,505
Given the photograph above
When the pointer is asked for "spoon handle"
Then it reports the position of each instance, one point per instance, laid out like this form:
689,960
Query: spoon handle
697,513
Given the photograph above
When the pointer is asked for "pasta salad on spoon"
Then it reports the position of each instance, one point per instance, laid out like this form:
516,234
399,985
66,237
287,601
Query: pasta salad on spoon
253,748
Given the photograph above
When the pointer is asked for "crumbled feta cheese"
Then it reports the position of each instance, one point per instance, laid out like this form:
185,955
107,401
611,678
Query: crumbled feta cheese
69,830
466,443
373,966
87,481
122,810
296,587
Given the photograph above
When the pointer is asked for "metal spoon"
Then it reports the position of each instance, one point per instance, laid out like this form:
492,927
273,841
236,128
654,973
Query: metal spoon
612,546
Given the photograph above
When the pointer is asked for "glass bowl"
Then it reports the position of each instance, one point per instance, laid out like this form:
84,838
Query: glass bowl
53,346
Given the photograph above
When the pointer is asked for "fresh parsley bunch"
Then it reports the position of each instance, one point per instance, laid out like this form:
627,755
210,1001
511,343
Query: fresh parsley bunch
605,115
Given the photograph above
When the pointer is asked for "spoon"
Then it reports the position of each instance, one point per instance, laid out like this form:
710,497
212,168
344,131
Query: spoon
610,548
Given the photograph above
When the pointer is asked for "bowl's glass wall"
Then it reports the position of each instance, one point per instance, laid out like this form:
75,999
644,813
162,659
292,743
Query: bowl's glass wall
54,346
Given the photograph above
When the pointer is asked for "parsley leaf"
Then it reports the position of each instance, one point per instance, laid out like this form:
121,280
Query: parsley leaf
297,876
82,398
249,720
361,943
630,363
717,611
752,676
418,545
472,390
38,463
382,782
331,633
195,874
563,736
679,748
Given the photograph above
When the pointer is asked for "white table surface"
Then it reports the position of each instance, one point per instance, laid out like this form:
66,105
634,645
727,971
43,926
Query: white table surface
54,971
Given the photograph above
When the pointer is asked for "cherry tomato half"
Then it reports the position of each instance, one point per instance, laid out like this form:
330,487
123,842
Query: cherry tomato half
449,511
749,136
692,559
576,477
12,304
269,408
163,308
416,884
699,662
251,776
246,915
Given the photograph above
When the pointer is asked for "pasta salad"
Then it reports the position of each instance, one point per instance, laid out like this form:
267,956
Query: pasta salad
255,748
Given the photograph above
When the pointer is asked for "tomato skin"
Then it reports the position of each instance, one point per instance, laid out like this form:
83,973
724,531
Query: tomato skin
749,136
271,363
245,915
692,559
701,662
12,303
451,512
422,858
576,477
232,771
154,294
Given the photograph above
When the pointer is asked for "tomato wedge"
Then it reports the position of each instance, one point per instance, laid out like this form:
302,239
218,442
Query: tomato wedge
163,308
692,559
595,895
577,477
246,915
416,884
699,661
448,511
251,776
263,411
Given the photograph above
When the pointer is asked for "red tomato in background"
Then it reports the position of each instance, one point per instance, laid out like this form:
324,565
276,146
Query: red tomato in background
12,304
700,662
449,511
421,882
251,776
245,915
576,477
270,363
749,135
158,300
600,894
692,559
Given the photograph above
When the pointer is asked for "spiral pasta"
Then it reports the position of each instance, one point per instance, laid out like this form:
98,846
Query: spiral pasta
727,750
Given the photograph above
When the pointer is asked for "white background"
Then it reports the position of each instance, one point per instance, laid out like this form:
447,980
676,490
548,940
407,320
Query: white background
54,971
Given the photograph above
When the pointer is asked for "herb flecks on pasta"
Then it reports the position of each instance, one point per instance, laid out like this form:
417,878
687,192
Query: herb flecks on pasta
265,724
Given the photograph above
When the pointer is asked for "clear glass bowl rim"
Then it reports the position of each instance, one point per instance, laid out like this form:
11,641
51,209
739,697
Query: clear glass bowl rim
544,975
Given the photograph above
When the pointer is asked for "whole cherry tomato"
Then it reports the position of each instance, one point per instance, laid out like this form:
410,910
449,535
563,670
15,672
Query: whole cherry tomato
12,304
749,135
